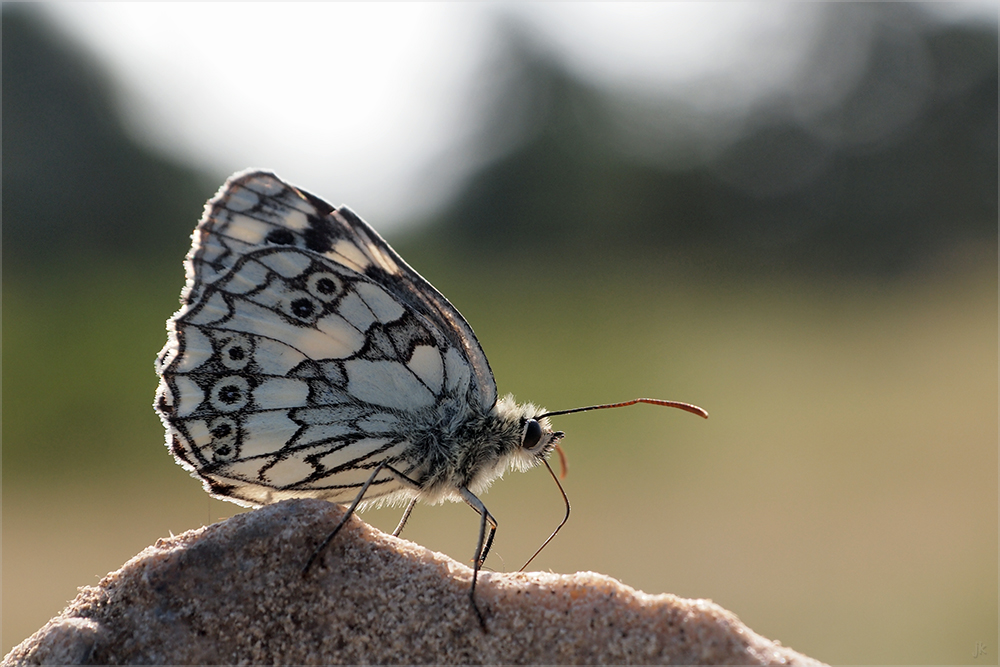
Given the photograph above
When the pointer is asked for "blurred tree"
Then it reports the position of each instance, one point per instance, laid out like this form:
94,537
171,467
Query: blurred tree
901,167
76,188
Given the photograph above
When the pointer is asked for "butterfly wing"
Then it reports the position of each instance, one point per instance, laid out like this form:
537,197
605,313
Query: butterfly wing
306,352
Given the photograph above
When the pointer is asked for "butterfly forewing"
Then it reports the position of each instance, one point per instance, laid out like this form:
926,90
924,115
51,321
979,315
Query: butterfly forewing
306,352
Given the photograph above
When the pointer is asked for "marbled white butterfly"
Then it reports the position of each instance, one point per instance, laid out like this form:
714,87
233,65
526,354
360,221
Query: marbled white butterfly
308,360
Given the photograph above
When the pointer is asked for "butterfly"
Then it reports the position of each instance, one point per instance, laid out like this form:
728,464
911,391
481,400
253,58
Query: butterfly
308,360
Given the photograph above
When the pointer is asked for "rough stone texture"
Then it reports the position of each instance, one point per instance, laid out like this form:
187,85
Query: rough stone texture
234,593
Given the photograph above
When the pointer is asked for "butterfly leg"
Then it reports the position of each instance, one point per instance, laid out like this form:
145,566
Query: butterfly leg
481,550
344,519
406,517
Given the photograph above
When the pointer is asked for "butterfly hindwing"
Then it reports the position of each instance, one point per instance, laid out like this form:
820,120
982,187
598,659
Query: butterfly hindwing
307,352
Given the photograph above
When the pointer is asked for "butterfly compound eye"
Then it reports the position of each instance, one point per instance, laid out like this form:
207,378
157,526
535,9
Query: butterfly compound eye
532,434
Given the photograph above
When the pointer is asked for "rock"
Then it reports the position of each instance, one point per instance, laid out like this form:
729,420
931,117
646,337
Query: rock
234,592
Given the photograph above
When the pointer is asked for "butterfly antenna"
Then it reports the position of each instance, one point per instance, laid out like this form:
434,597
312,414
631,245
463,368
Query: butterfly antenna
561,524
693,409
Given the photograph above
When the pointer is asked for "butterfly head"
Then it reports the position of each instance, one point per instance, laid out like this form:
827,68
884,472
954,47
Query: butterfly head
537,439
528,437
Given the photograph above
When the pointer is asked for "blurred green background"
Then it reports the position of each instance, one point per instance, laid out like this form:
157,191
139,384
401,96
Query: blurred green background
830,296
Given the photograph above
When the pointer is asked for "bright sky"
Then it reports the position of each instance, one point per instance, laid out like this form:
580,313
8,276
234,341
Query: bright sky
373,104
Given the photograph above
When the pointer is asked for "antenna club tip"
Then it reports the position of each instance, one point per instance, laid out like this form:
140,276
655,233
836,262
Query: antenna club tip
687,407
701,412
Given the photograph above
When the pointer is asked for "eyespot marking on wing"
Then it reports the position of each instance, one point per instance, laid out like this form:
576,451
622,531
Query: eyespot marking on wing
235,350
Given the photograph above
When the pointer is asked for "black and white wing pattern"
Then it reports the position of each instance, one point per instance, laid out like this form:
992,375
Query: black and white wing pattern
306,353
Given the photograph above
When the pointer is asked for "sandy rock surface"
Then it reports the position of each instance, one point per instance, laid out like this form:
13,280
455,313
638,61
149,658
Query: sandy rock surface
234,593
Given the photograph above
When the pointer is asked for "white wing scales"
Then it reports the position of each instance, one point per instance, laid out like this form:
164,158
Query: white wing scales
306,351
